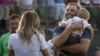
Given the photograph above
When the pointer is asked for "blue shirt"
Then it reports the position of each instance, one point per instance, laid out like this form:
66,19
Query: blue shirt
72,40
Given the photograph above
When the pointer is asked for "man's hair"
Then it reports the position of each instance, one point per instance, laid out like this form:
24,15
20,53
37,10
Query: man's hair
73,3
13,17
83,13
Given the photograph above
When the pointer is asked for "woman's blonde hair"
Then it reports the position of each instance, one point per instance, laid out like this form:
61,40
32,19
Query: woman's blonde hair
83,13
28,25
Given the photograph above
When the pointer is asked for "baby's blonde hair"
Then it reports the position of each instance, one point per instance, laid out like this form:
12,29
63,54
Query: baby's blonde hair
83,13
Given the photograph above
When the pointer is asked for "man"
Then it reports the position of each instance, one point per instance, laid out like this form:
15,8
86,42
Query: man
57,41
74,46
13,22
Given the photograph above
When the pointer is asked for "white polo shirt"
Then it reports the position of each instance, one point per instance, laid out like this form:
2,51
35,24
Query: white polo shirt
24,49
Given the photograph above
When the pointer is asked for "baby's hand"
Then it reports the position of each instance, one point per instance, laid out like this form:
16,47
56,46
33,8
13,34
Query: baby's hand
76,25
61,24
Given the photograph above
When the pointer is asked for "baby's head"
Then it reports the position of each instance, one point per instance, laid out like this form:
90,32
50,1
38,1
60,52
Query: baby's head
83,13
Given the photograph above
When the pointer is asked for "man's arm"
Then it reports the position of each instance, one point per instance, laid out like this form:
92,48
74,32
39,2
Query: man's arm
82,46
79,47
61,38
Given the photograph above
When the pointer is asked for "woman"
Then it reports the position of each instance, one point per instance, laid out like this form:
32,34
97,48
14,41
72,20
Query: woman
27,41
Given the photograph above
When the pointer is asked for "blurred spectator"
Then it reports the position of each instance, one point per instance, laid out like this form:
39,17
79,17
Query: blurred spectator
50,2
50,8
96,2
41,8
42,3
3,28
85,2
5,4
59,9
27,5
1,12
95,14
15,8
66,2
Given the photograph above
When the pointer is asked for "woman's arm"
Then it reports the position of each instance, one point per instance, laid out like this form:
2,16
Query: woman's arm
42,30
43,46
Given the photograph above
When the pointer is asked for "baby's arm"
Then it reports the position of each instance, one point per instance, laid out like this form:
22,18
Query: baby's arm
61,24
64,23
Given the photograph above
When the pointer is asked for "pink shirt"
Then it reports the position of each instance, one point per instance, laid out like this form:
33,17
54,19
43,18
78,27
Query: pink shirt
5,2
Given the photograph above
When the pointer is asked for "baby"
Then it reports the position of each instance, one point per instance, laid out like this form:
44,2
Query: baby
82,16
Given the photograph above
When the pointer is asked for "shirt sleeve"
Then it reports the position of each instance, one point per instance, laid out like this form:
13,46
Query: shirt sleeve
57,31
86,34
43,43
85,23
10,42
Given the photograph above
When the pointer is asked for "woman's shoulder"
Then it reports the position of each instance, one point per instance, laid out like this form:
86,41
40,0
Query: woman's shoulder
14,36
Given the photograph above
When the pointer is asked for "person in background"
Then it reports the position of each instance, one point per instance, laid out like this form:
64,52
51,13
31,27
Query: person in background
59,9
12,22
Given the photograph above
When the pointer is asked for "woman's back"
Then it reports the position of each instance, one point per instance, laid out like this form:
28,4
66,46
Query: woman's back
25,49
